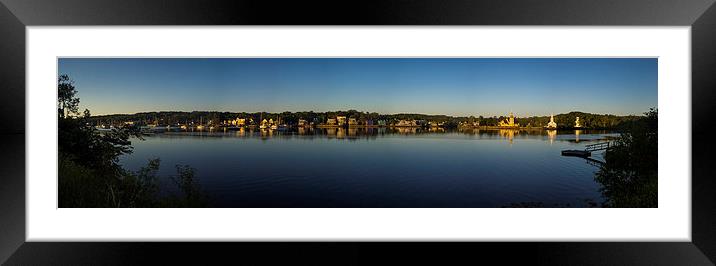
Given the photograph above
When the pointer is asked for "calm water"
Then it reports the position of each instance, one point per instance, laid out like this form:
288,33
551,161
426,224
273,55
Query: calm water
379,167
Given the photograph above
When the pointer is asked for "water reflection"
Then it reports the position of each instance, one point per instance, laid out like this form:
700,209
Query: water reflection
379,167
241,132
510,135
552,135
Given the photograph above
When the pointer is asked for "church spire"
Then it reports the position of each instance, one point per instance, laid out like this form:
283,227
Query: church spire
551,123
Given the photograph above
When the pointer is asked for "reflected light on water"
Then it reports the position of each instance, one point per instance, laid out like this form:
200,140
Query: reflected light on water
552,135
393,167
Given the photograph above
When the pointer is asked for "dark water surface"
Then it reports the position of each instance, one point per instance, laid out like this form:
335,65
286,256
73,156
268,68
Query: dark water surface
379,167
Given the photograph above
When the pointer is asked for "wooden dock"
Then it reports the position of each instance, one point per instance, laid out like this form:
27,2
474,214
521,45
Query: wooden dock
577,153
587,152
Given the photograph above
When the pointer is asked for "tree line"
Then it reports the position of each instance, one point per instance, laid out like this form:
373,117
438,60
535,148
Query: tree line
587,120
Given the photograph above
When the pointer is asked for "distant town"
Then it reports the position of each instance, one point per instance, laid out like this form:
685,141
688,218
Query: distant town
211,121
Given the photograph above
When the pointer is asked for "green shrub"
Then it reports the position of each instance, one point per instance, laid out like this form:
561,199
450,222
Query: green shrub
629,177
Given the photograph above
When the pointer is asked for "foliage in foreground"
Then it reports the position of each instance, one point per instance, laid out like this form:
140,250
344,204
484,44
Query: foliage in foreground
84,187
629,176
89,173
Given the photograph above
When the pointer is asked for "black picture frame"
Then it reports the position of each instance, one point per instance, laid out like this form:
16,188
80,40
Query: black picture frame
15,15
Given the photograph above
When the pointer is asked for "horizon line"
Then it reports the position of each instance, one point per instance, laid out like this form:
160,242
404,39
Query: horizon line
401,113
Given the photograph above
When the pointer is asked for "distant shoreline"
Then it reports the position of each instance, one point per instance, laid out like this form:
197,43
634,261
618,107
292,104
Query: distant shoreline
345,111
355,119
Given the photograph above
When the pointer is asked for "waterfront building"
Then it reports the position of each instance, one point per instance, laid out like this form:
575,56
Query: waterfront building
551,123
331,122
465,124
302,123
509,122
576,123
382,123
352,122
406,123
239,122
341,120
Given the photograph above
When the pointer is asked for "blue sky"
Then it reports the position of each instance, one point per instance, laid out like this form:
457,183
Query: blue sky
451,86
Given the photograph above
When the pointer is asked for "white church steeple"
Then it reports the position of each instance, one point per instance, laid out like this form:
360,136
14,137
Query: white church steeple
551,123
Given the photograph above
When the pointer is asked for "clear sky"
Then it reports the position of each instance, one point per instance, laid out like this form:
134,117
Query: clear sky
451,86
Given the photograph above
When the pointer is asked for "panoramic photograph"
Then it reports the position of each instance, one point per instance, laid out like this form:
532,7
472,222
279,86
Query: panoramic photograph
357,132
